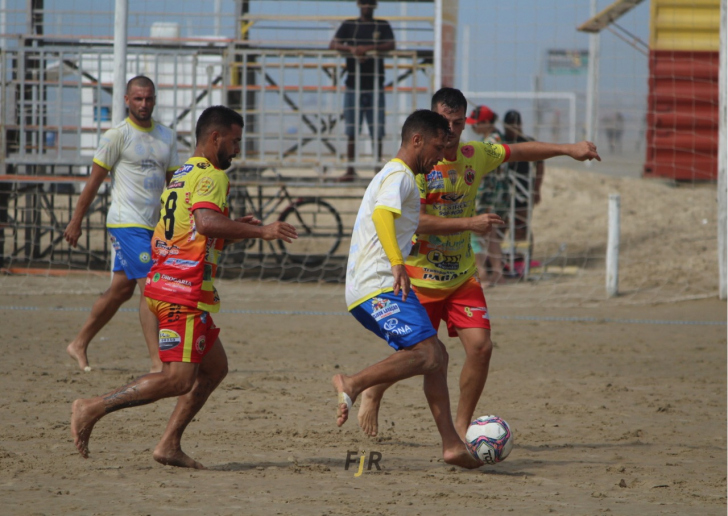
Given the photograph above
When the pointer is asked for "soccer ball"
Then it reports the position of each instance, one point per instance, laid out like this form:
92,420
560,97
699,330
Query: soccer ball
489,439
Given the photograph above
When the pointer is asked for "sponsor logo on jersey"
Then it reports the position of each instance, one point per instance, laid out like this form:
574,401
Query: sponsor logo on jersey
452,197
183,170
452,175
434,180
172,279
205,186
180,263
467,151
168,339
443,261
175,184
156,277
383,308
491,150
469,176
203,165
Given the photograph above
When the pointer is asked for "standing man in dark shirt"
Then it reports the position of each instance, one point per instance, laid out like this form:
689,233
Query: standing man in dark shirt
361,40
512,124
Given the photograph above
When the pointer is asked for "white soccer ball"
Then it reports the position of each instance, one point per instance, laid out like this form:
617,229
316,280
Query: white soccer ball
489,439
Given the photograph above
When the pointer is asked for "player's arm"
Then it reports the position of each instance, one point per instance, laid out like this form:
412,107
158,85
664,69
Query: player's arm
434,225
73,229
214,224
247,219
383,219
537,151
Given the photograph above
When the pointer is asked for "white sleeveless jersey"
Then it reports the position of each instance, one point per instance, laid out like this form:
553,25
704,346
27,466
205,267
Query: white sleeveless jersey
138,158
369,272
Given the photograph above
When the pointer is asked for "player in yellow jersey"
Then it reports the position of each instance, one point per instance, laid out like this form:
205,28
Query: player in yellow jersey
179,290
442,264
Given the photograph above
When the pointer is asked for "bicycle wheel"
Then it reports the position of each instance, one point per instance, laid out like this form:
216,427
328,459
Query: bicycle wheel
319,231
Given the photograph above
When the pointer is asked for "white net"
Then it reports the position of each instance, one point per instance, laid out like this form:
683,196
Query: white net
269,59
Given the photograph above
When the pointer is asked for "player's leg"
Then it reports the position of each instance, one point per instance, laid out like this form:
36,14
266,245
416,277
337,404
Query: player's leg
351,126
466,315
103,309
371,398
454,450
150,329
175,379
495,257
212,371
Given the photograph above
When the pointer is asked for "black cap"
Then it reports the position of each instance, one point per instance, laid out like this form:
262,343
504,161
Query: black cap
512,117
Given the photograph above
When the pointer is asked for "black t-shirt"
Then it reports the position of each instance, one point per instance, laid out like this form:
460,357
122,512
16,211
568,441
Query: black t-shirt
357,32
520,167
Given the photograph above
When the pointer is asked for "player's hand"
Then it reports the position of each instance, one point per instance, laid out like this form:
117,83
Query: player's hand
482,224
584,151
279,231
401,281
72,233
248,219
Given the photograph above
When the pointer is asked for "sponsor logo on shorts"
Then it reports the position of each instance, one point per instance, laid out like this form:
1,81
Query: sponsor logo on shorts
205,186
144,257
383,308
469,311
168,339
201,344
391,324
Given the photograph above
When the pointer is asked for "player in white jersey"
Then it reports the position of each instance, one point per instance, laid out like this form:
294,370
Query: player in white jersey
378,289
141,155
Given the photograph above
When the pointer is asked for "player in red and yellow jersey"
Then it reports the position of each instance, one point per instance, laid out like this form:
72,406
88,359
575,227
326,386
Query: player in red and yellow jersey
442,264
187,241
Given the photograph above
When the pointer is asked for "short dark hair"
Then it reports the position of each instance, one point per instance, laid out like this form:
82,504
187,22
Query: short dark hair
450,97
425,122
216,117
512,117
140,80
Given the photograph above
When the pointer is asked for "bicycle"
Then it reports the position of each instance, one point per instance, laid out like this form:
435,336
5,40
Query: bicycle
319,225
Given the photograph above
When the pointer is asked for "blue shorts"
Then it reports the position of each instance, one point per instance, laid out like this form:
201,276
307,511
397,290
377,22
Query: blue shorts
402,325
132,250
366,110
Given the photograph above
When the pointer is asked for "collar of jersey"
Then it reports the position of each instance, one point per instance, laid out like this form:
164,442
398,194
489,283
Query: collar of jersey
199,159
403,163
139,127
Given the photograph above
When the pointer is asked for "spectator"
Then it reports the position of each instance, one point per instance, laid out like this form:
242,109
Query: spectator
491,198
361,40
521,171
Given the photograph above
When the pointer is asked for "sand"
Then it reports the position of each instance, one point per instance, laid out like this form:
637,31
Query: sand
618,405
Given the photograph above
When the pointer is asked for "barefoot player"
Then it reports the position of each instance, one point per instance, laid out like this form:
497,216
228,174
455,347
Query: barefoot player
186,245
378,288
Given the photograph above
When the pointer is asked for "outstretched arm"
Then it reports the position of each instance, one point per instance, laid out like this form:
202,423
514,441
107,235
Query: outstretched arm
537,151
214,224
479,224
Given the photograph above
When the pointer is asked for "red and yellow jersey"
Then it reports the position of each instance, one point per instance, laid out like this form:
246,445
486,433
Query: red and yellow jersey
450,190
184,262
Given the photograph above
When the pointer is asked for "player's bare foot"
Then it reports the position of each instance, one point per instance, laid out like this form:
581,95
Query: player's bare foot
344,401
175,458
461,457
78,353
82,423
369,414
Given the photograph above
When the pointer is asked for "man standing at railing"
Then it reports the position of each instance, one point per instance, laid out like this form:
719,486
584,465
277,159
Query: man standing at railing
141,155
361,40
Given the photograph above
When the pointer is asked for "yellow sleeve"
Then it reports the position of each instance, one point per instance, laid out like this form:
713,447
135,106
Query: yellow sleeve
384,224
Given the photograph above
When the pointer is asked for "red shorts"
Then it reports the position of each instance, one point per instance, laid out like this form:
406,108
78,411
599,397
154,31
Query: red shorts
185,334
461,308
